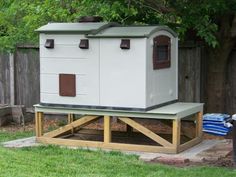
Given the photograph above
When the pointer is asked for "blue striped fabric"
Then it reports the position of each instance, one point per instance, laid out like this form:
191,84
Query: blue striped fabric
215,132
215,124
216,117
217,128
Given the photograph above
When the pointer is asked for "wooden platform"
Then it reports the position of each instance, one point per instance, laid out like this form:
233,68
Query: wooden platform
74,134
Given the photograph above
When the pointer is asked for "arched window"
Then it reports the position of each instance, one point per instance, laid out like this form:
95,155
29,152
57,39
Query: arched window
161,52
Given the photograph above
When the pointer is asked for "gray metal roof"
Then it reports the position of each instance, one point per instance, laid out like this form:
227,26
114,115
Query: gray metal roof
81,28
103,30
130,31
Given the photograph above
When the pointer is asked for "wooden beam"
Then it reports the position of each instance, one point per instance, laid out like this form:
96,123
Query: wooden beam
199,124
146,132
189,144
97,144
41,123
107,129
176,133
36,125
75,124
70,119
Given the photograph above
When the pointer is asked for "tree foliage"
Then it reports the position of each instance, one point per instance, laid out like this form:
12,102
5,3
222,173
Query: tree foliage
212,21
19,19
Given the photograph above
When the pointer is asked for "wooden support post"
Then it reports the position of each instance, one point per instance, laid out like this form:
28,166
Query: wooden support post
41,121
70,118
36,125
107,129
39,124
176,133
199,124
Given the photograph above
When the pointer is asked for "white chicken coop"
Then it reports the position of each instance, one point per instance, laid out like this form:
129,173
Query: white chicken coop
106,65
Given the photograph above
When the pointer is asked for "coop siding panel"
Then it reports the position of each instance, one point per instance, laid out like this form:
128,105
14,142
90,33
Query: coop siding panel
67,51
87,91
162,83
77,100
87,79
68,58
122,73
68,47
63,65
50,83
62,39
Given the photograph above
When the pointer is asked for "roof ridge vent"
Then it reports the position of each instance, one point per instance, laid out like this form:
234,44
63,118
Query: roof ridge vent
89,19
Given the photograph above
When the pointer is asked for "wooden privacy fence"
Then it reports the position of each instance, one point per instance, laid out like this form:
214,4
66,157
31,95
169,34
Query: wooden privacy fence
4,79
26,81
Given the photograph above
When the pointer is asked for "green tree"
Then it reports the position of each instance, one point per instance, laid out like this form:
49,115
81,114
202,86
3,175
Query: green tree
213,21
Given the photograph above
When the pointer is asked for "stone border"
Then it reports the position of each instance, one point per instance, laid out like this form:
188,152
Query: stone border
13,113
5,114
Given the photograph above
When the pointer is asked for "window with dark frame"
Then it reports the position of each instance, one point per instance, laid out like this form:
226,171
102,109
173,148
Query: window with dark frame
161,52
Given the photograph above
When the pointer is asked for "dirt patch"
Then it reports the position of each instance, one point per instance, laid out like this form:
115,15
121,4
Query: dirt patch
180,162
29,126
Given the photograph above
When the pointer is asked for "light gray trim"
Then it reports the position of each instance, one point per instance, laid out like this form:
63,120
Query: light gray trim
103,30
103,34
76,31
165,28
118,36
172,111
108,25
108,107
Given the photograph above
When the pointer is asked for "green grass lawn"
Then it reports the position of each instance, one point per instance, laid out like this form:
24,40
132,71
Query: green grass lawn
8,136
50,161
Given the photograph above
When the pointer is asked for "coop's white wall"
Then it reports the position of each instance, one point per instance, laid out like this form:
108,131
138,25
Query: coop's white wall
122,73
68,58
162,84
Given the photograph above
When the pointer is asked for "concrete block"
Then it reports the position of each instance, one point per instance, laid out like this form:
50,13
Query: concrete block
18,111
5,115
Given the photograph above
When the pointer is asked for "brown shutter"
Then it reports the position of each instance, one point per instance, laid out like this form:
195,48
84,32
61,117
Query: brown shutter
125,44
67,85
49,44
84,44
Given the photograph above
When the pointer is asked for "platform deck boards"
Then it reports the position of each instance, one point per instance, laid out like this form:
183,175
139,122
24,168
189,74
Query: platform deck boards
173,111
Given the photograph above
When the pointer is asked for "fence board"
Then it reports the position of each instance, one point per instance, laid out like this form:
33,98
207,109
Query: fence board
231,85
4,79
189,74
27,82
